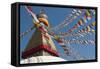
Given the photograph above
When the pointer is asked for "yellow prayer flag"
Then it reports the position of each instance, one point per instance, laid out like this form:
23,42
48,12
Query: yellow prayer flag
87,13
80,21
93,24
93,30
88,28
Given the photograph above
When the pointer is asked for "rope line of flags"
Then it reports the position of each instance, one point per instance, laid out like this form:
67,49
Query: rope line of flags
82,21
74,14
88,29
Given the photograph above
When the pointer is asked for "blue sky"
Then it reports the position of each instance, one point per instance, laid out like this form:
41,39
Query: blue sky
55,17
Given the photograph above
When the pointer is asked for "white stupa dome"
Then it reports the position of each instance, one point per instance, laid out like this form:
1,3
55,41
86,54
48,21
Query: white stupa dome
41,59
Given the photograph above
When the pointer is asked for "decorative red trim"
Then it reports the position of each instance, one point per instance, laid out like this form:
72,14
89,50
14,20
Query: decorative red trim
38,48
